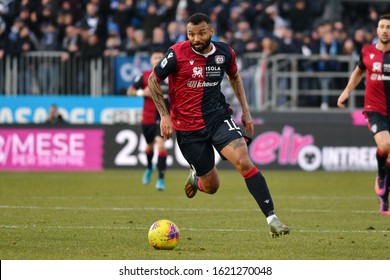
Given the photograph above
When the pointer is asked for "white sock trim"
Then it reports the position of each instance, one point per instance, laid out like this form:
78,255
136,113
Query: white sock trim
269,218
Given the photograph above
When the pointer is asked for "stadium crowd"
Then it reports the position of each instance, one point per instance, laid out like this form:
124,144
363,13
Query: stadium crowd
94,28
275,26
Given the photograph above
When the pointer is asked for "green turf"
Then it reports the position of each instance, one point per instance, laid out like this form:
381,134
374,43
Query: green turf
106,215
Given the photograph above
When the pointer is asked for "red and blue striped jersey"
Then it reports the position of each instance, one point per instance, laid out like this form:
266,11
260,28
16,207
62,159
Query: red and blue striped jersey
377,66
195,96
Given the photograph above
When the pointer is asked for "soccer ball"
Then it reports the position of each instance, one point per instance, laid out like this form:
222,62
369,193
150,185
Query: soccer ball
163,235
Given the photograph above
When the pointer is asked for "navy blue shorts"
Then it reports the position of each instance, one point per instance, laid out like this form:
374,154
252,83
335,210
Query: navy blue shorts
377,122
150,131
197,146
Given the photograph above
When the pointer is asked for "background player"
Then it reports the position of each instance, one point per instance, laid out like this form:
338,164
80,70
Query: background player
375,62
151,123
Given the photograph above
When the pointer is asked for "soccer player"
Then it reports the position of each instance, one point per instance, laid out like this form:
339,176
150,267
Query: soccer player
151,123
201,116
374,61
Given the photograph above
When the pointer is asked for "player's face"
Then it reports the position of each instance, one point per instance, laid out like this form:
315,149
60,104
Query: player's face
383,31
200,36
155,58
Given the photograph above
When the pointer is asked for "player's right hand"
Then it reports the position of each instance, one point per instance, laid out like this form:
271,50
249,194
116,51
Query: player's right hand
166,127
342,99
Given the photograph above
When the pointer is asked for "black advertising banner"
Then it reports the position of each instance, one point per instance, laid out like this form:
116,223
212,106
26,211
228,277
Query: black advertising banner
307,141
319,141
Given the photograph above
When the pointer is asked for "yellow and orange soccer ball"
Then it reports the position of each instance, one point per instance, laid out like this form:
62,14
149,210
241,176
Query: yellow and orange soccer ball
164,235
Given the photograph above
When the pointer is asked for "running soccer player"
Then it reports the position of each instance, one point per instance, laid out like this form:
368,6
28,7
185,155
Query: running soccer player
374,61
151,123
202,118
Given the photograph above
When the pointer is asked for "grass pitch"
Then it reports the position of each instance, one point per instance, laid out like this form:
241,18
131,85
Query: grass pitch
106,215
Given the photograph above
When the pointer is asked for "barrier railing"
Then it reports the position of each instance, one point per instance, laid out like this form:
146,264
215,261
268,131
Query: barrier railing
277,82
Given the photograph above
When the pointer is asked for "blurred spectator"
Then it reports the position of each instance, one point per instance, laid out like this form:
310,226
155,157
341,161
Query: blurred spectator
359,38
122,12
339,32
29,19
28,42
95,22
91,51
127,42
244,39
71,45
159,41
113,30
72,7
265,21
150,21
286,42
113,46
50,40
298,17
54,116
13,46
234,18
139,43
200,6
48,71
71,42
62,21
268,47
141,7
3,38
173,33
46,12
222,13
166,10
328,46
307,83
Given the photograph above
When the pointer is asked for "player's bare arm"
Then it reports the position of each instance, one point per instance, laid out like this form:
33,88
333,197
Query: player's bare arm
353,82
239,91
156,94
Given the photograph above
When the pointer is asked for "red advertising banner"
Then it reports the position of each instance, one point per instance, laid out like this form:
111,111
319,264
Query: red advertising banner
62,149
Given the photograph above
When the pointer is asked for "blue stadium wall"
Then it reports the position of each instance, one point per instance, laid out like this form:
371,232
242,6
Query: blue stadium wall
104,133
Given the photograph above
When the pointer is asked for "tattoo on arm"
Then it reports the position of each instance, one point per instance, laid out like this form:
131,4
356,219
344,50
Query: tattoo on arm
157,95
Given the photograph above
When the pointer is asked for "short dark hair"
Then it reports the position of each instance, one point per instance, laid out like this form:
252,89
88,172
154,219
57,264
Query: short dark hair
157,50
197,18
386,16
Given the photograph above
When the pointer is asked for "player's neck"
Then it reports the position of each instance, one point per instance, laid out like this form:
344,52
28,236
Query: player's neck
383,47
207,52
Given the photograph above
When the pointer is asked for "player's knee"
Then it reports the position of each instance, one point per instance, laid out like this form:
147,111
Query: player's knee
244,164
210,185
384,148
212,190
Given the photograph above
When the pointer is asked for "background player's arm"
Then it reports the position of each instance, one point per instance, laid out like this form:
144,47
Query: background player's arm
353,82
239,91
138,88
131,91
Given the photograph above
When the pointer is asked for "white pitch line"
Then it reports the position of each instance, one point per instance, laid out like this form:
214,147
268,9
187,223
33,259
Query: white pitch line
183,229
32,207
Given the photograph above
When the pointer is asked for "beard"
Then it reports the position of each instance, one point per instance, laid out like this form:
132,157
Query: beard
202,46
384,41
